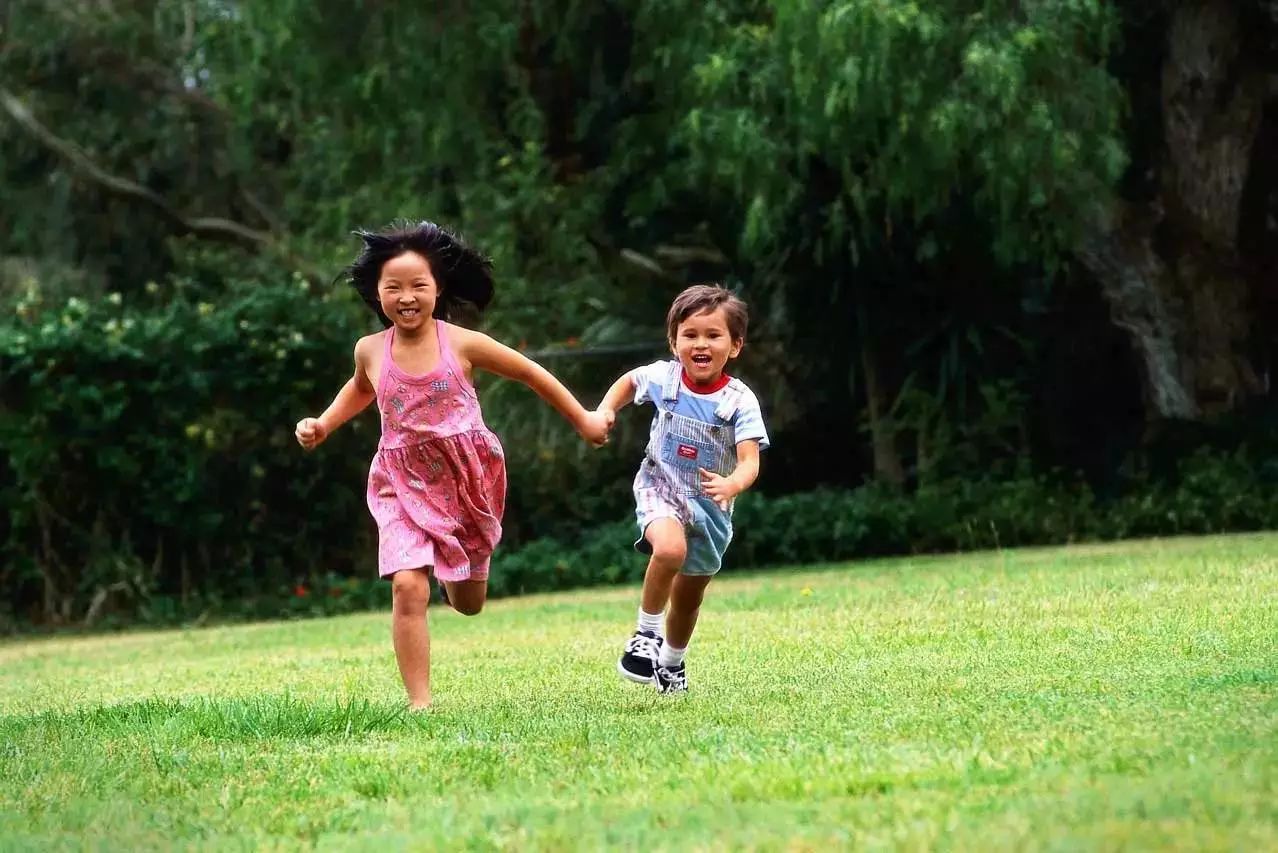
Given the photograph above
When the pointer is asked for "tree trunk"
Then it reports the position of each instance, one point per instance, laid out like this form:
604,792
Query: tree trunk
887,459
1169,267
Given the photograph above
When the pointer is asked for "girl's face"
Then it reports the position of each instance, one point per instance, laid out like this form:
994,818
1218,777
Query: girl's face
703,346
407,290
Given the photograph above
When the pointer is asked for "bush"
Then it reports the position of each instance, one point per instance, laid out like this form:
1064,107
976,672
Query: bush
148,472
147,451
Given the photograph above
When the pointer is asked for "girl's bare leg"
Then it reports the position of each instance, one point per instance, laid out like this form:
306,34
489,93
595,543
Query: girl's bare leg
467,597
410,592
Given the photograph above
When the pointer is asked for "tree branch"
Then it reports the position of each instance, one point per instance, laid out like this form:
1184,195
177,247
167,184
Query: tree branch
683,255
203,226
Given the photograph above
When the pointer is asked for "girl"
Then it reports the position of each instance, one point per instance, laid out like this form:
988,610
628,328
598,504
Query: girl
437,486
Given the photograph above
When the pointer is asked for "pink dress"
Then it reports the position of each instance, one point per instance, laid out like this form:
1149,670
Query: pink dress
437,486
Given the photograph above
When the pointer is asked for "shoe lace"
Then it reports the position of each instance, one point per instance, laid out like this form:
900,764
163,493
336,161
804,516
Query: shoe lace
642,645
671,677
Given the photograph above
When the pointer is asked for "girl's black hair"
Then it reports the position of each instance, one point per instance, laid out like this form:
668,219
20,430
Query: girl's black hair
463,274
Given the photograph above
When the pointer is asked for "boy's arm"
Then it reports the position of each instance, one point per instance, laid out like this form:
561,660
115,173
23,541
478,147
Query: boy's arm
495,357
724,489
619,395
353,398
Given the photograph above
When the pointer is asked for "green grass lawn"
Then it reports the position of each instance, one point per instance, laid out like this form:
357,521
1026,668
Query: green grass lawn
1106,697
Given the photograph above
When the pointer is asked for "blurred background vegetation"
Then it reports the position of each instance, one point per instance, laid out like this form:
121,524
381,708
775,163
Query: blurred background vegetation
1012,268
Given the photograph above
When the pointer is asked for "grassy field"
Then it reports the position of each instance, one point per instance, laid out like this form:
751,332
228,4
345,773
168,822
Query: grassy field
1099,697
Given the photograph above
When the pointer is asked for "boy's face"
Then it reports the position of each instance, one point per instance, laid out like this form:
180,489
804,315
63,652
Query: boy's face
703,345
407,291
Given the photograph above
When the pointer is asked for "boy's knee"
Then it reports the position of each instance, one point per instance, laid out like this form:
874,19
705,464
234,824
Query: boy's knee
670,551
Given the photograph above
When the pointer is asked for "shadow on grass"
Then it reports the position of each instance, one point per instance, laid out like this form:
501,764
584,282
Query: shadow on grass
259,717
1238,678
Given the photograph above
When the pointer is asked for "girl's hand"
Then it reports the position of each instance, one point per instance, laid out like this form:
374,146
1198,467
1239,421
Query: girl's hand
596,426
720,489
310,433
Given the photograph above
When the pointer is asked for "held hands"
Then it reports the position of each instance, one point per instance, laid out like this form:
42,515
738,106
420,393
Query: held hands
597,425
310,433
720,489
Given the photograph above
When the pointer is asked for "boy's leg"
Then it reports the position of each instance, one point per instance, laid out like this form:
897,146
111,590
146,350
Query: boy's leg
670,674
664,538
669,549
686,596
708,539
410,593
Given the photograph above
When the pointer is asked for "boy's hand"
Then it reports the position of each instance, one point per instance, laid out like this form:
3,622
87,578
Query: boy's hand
720,489
597,425
310,433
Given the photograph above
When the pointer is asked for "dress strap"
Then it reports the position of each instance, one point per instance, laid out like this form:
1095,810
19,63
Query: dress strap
388,363
447,354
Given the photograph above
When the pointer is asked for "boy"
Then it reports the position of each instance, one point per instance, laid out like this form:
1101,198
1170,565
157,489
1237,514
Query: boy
703,451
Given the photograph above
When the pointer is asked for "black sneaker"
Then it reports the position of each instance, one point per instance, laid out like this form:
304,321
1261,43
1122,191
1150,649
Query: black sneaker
640,657
670,679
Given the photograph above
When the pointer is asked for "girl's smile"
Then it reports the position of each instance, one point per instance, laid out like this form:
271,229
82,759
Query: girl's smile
407,291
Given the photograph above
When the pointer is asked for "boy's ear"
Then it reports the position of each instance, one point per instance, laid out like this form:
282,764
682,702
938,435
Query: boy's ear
737,345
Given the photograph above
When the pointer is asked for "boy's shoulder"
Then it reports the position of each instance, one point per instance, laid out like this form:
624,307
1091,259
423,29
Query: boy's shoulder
653,373
661,364
738,386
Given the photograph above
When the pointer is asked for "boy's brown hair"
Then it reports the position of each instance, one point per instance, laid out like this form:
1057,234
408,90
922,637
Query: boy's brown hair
708,297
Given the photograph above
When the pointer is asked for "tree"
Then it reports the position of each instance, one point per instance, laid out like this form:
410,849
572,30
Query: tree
1166,250
880,151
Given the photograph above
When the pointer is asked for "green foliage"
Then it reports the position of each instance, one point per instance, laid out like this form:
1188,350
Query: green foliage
149,473
881,180
1212,493
150,447
886,113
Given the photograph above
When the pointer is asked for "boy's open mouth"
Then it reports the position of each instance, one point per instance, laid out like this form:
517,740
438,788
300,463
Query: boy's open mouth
702,360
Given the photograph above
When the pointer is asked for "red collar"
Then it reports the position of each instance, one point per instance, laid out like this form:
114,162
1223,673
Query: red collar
717,385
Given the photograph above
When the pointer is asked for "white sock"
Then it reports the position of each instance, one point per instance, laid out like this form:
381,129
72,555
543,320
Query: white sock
650,622
670,656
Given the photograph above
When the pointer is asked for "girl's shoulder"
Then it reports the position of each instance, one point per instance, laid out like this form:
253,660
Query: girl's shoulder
465,342
460,333
371,343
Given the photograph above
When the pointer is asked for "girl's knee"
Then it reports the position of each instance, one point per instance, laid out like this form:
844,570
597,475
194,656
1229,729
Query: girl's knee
410,591
468,608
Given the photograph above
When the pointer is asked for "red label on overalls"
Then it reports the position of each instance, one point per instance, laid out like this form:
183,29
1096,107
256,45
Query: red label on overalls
687,451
